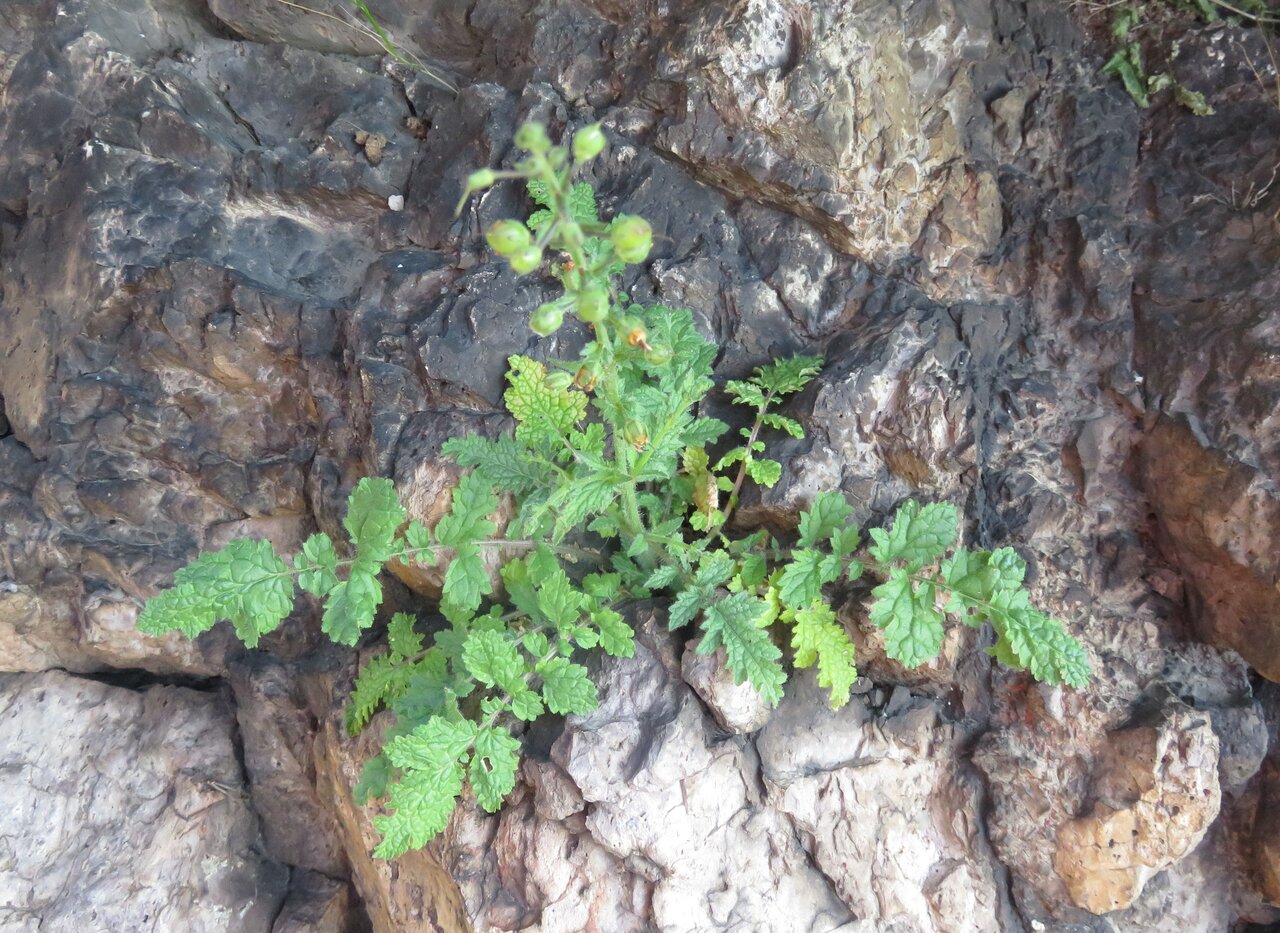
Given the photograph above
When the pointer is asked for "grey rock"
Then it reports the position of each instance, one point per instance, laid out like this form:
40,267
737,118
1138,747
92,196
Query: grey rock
1242,744
277,733
688,808
737,707
127,810
317,904
905,847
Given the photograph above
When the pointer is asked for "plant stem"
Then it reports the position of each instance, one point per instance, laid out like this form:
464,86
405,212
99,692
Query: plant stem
742,469
525,544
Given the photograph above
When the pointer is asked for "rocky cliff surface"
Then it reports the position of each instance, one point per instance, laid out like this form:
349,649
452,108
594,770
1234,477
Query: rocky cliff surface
1037,302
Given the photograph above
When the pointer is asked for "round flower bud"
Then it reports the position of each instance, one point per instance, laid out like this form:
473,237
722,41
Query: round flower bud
558,380
507,237
588,143
593,305
533,137
526,259
632,238
546,321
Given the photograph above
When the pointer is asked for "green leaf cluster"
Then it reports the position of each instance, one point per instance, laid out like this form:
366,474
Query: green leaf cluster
615,486
1127,63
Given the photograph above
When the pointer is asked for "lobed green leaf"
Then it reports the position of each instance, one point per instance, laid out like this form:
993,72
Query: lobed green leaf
750,652
802,579
567,687
818,638
828,514
912,624
493,767
917,535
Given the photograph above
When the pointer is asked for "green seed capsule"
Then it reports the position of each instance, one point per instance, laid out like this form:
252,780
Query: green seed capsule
558,380
587,377
635,434
632,238
588,143
593,305
658,356
478,181
525,260
546,321
533,137
507,237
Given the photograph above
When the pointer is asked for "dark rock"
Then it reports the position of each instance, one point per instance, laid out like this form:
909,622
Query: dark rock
1035,302
317,904
278,735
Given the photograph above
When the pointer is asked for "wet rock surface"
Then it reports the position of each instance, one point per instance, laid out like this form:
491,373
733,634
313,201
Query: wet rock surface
1036,302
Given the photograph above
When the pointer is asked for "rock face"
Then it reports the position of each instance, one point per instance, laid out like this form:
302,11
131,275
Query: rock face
672,823
1156,795
125,811
1034,300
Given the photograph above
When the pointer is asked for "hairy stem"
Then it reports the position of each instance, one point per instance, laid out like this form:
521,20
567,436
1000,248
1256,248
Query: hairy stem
742,468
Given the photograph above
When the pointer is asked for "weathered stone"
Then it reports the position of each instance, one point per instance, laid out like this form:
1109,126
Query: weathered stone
36,633
687,816
1242,744
905,848
127,811
1156,792
1266,836
528,868
317,904
411,893
109,637
1220,520
1035,301
738,707
815,109
278,736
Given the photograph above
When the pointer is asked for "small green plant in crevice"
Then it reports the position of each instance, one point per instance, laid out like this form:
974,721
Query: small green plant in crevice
623,489
372,28
1136,41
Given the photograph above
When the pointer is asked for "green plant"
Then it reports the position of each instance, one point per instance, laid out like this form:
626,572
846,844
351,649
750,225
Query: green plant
1128,66
373,29
1131,28
623,490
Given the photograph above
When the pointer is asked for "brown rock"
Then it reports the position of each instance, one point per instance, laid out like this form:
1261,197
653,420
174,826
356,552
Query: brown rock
829,94
36,632
1156,793
49,630
317,904
1219,522
1266,835
411,893
109,637
278,736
